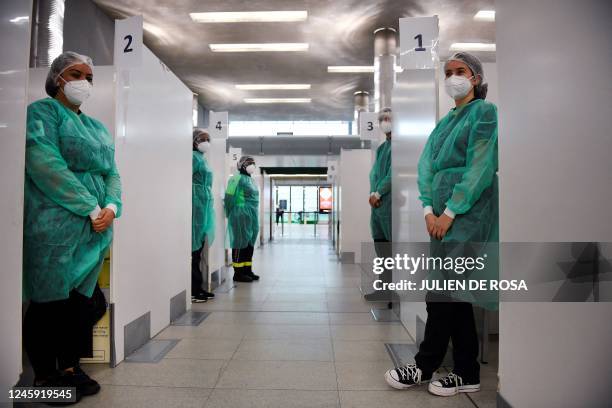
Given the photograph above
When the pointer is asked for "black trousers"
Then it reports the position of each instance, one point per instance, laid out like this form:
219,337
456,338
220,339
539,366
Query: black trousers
383,249
242,260
450,321
57,334
196,273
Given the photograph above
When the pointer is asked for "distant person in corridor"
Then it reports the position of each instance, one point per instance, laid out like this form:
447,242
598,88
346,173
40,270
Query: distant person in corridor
242,212
380,200
202,213
458,188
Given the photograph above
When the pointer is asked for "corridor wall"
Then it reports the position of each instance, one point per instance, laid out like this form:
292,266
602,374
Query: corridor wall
216,252
15,48
152,246
354,210
555,186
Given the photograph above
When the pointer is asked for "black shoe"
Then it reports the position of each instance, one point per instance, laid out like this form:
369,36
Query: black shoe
241,277
209,295
451,385
252,275
378,296
85,384
55,381
199,297
405,377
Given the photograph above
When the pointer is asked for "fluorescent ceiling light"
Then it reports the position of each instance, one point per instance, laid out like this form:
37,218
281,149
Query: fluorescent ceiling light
260,87
351,69
277,100
367,69
250,17
278,47
485,15
18,20
472,47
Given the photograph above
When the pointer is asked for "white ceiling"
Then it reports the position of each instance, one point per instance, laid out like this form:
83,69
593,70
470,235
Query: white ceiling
339,33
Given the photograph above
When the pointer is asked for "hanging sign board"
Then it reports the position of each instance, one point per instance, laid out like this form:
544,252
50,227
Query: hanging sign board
128,42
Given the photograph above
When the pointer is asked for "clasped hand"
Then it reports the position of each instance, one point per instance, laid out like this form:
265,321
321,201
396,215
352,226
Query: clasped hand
374,202
104,220
437,227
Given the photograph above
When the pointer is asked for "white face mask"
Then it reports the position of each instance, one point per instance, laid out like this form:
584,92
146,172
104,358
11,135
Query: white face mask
386,127
250,168
204,146
77,92
457,86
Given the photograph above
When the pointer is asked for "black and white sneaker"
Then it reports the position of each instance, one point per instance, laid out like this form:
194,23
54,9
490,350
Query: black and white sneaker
199,297
451,385
405,377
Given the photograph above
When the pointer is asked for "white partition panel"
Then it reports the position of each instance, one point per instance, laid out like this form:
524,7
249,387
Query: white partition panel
555,186
217,161
354,169
152,246
14,44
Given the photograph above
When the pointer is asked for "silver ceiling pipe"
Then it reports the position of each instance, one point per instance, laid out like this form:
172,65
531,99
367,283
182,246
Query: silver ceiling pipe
385,56
47,39
362,104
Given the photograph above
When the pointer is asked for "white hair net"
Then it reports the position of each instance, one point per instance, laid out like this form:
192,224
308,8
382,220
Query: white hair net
384,113
474,64
244,162
197,132
62,63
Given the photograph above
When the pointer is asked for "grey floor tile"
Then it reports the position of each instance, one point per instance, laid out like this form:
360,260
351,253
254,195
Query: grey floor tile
231,318
360,351
383,332
283,375
406,398
352,318
225,398
227,305
362,375
345,306
146,397
205,330
280,332
297,297
294,306
295,318
205,349
166,373
285,350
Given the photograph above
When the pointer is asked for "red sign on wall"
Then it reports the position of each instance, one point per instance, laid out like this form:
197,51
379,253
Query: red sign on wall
325,198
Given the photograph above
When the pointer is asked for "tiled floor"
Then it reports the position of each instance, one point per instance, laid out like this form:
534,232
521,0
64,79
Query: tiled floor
300,337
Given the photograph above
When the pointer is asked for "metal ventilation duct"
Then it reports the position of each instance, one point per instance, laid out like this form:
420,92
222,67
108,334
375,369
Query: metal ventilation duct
297,145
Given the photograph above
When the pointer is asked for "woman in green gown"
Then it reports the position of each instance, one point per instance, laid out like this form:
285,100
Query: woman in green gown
202,213
457,179
72,195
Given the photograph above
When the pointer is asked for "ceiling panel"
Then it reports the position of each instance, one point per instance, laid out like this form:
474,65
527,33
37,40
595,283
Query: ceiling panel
339,33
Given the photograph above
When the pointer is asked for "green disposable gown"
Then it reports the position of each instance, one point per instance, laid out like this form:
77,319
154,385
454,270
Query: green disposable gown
70,168
203,212
380,182
458,170
242,211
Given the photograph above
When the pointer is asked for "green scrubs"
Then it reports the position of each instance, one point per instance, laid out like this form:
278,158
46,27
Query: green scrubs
203,212
242,211
70,168
380,182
